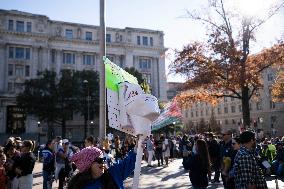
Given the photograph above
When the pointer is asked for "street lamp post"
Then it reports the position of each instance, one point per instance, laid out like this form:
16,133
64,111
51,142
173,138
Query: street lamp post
87,108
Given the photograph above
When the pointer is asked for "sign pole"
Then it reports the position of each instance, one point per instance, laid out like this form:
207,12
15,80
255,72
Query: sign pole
137,169
102,126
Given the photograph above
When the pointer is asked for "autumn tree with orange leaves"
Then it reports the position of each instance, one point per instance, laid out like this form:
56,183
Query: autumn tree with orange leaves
223,66
278,88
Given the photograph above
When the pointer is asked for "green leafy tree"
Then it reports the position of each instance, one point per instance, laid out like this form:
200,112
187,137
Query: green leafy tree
141,81
53,100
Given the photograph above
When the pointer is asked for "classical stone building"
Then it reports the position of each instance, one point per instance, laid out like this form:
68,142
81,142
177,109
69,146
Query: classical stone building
266,115
30,43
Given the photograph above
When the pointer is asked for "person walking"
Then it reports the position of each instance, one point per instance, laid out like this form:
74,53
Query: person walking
248,174
150,149
48,167
93,174
199,165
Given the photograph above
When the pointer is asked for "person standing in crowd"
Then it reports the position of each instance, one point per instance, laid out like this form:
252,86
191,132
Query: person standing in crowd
117,146
198,165
3,176
48,167
150,149
57,143
159,150
166,150
90,141
94,175
248,174
24,166
278,163
214,152
63,165
227,152
236,147
12,155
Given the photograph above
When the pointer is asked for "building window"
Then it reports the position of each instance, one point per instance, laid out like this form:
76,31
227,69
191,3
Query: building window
272,105
145,40
151,41
233,121
69,34
89,36
11,52
68,58
147,77
108,38
225,110
240,108
201,113
27,71
88,60
28,53
20,53
270,77
225,99
192,115
19,70
144,63
206,112
11,25
219,110
186,114
10,87
10,69
258,106
196,113
226,122
232,99
138,40
29,27
233,109
53,55
20,26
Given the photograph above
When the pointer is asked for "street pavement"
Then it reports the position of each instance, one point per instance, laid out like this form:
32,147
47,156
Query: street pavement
171,177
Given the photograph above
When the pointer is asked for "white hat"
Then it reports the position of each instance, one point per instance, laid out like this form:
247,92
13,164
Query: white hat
64,141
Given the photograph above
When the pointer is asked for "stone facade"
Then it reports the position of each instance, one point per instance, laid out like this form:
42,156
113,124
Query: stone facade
30,43
265,114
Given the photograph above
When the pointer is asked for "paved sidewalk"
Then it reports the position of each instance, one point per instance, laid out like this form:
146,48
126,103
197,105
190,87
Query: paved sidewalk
171,177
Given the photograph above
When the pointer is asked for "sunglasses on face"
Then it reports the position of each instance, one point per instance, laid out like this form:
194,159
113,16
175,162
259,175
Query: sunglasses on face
99,160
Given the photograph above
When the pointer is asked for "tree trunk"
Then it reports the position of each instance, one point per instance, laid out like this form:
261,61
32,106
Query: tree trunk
50,131
245,107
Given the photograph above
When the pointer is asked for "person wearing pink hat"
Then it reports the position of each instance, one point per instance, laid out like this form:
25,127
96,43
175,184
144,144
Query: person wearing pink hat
94,174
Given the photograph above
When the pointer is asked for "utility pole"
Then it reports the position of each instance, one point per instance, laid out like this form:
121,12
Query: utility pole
102,129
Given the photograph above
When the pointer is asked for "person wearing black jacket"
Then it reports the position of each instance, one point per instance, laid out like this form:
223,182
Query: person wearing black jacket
48,165
214,152
199,165
25,165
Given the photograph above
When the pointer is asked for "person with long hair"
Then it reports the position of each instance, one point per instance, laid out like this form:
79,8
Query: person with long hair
94,174
25,165
199,165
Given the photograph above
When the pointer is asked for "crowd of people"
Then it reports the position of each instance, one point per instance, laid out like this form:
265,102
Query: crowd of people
240,162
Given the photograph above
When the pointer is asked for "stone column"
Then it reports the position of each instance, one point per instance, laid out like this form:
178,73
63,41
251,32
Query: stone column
162,79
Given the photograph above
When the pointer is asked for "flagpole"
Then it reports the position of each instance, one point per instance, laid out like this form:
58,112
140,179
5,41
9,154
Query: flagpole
102,126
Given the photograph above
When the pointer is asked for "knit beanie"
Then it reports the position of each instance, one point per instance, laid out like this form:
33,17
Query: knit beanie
84,159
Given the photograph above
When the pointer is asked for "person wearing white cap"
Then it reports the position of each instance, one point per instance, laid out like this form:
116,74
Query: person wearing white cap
62,160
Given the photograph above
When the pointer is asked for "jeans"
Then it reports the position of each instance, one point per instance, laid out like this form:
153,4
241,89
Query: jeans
47,180
279,167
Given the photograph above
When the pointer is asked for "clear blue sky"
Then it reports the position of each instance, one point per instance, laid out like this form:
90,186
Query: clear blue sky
151,14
